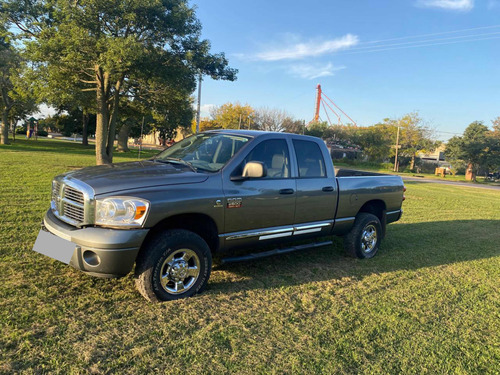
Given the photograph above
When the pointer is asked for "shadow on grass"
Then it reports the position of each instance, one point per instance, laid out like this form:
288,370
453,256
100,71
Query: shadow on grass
406,247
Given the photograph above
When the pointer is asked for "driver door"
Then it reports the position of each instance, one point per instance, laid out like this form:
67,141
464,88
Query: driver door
258,209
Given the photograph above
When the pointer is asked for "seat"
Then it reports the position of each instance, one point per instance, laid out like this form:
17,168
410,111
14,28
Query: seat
278,167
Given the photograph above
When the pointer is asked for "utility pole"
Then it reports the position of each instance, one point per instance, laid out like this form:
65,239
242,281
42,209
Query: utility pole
396,169
239,126
198,109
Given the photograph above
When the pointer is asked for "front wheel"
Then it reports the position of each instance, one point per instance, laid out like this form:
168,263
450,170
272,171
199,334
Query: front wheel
175,264
364,238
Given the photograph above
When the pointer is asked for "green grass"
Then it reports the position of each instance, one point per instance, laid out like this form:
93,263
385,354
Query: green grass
388,168
427,303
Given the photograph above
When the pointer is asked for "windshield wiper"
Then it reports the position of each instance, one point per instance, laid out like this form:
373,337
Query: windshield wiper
178,161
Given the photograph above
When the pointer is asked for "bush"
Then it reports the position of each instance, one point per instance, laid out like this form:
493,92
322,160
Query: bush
21,131
42,133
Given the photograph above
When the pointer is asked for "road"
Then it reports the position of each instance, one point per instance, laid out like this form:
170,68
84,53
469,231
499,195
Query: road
453,183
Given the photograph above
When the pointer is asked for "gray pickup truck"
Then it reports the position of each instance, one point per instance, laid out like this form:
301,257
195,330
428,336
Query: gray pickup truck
212,193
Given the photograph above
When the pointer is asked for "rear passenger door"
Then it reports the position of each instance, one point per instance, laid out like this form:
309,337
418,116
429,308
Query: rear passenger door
316,188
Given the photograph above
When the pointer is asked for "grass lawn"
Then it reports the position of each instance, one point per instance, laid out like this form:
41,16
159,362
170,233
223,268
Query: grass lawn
378,167
429,302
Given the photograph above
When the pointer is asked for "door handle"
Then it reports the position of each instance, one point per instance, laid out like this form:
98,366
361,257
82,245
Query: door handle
286,191
327,188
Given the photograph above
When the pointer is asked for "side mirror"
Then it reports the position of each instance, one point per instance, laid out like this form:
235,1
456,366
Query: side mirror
252,169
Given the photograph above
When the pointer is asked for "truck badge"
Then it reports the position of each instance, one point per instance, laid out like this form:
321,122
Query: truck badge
234,202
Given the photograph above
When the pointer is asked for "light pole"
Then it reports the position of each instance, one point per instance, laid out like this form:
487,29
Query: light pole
198,109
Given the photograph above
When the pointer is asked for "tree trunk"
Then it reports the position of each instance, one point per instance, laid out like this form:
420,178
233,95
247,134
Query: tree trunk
112,121
102,120
4,136
13,126
412,163
123,138
85,128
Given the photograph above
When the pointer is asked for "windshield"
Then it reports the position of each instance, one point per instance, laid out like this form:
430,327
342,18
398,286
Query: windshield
205,151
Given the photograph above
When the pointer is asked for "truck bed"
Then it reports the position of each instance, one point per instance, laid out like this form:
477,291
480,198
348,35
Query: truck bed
353,173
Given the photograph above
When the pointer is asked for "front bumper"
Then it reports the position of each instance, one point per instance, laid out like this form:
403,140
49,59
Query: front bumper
99,251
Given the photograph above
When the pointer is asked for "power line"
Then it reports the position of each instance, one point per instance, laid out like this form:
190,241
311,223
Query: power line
424,41
417,46
433,34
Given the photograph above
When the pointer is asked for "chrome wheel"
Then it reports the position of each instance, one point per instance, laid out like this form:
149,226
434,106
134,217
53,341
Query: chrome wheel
369,238
180,271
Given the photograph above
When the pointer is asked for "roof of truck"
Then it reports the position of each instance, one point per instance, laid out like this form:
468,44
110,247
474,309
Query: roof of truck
250,133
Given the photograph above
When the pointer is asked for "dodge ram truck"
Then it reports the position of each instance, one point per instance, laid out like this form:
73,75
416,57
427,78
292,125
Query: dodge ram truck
212,193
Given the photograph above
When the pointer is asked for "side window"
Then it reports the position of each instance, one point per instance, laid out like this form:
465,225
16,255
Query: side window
274,154
309,159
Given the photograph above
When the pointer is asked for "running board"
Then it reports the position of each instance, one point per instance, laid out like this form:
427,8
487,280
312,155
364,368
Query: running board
274,252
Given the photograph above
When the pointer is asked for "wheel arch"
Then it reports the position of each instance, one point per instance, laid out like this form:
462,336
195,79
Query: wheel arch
376,207
201,224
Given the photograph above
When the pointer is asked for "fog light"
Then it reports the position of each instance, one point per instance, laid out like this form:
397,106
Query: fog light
91,258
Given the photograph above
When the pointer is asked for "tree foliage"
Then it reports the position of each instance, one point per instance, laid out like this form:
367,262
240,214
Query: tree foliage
16,91
478,148
233,116
114,46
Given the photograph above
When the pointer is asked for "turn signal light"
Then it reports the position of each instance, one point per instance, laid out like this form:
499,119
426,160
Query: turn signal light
404,190
139,212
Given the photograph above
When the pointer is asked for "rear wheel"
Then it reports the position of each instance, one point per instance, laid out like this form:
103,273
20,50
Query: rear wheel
364,238
175,264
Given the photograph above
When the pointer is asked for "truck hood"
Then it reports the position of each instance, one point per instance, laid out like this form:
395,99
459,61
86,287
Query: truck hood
133,175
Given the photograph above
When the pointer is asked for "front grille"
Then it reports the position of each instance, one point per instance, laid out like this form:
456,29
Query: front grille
73,195
56,190
68,202
75,213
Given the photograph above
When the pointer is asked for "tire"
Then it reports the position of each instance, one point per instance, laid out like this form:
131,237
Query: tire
363,240
174,264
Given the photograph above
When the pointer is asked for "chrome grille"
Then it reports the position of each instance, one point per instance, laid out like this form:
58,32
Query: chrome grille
56,190
74,195
75,213
71,201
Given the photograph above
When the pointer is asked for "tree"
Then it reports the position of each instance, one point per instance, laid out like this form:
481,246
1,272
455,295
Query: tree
375,141
316,129
9,63
233,116
472,147
414,136
106,44
205,124
291,125
271,119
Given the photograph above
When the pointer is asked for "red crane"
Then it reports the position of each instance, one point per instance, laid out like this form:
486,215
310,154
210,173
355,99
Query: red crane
320,101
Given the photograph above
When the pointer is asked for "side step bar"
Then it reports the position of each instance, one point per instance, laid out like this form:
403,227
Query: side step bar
274,252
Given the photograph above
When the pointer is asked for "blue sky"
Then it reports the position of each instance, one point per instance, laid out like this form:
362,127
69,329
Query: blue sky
283,49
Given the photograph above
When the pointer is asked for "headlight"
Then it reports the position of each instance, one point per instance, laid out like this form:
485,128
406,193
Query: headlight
121,212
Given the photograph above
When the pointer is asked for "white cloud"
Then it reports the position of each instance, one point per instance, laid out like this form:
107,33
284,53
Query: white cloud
298,50
204,109
460,5
312,71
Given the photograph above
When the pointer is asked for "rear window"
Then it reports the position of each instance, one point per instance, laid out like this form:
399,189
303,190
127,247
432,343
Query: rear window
309,159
